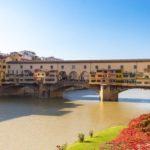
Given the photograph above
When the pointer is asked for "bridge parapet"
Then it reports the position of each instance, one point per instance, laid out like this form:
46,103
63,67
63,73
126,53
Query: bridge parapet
66,84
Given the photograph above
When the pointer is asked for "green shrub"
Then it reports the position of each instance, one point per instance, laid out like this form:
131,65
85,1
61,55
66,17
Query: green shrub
81,137
91,133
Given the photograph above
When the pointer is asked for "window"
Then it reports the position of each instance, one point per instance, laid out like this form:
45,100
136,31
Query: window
118,71
135,66
31,67
21,66
4,67
62,67
146,82
109,66
8,66
85,66
92,75
51,79
52,75
93,80
99,75
96,67
41,67
148,66
73,66
51,67
146,77
121,67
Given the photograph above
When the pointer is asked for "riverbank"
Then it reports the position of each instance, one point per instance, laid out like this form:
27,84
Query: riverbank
98,138
136,135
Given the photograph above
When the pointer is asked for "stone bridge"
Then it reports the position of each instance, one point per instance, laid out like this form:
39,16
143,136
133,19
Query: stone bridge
106,92
57,90
111,92
42,90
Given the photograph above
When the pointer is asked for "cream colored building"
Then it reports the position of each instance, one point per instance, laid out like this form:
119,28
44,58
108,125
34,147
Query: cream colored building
2,70
82,69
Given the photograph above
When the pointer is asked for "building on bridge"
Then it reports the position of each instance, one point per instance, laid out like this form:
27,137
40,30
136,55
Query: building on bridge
115,71
2,69
115,74
46,77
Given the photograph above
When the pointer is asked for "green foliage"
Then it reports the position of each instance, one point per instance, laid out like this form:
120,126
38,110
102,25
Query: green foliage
91,133
81,137
97,139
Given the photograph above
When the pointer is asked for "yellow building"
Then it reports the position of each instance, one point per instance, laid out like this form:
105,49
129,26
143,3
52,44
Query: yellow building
106,76
46,77
143,78
39,75
2,69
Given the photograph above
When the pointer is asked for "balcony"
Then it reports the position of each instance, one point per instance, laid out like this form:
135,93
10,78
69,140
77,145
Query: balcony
50,80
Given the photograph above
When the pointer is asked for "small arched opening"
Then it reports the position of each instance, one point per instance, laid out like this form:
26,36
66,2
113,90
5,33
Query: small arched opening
73,76
62,76
84,76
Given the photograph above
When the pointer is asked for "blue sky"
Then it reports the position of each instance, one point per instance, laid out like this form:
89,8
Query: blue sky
76,29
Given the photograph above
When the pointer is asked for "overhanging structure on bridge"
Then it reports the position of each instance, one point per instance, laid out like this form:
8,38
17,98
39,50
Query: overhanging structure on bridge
111,76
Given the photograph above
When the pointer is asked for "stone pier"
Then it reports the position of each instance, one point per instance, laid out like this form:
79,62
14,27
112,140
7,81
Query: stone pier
56,94
108,94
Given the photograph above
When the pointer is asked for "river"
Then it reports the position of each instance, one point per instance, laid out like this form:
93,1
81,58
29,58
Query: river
40,124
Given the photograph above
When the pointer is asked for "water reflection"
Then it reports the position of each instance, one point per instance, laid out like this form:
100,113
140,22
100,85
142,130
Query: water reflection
134,100
15,107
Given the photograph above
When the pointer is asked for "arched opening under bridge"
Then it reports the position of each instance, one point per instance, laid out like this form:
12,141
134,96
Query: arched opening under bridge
135,95
82,95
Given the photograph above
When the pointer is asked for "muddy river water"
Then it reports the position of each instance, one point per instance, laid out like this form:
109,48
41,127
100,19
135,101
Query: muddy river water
40,124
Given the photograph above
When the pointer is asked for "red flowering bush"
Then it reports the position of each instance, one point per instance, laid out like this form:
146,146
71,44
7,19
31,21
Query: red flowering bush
135,137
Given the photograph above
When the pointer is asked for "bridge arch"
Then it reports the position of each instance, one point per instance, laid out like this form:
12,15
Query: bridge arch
135,94
73,76
84,76
62,75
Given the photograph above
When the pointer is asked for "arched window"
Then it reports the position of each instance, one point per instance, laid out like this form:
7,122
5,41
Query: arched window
84,76
62,75
73,75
